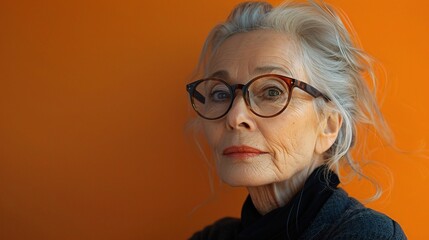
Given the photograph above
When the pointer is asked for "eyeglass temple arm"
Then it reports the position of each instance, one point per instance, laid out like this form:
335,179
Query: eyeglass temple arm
194,93
310,90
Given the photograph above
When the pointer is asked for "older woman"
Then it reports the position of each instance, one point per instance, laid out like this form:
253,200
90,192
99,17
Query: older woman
279,102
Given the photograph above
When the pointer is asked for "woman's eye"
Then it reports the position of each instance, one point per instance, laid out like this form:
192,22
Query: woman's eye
272,92
219,96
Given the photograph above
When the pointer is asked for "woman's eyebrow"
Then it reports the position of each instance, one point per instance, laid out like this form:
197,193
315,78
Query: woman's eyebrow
269,69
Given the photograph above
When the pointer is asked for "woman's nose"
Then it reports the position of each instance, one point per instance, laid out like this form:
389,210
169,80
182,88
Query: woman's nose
240,116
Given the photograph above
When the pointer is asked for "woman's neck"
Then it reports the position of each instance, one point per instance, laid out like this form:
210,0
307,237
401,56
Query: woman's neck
275,195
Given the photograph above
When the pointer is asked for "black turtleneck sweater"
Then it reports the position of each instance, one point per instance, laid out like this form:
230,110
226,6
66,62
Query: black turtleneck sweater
318,211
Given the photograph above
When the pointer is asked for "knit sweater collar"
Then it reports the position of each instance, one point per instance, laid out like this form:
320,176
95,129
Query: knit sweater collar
291,220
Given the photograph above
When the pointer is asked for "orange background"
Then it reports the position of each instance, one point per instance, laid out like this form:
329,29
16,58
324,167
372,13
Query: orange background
93,108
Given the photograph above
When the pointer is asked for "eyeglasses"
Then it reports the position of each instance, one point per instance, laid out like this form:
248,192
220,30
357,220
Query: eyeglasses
266,96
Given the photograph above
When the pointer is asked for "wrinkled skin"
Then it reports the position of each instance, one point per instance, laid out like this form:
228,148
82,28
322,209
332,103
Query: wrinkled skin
292,142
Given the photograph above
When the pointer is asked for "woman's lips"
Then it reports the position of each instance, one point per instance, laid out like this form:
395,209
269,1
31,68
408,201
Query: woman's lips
242,152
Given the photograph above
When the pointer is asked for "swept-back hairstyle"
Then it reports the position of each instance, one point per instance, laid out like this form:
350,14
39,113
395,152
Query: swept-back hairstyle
332,59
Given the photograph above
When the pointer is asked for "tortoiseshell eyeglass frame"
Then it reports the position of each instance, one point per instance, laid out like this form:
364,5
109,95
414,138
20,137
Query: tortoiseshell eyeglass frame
290,82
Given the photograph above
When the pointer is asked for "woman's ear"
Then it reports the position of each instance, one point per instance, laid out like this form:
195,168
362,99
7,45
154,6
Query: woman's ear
329,128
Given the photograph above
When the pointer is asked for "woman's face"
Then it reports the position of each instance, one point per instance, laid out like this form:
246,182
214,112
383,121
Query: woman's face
254,151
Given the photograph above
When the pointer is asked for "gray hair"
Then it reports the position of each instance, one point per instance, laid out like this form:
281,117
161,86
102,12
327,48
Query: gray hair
333,61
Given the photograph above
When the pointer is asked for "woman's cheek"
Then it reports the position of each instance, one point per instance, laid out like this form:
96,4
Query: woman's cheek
276,145
209,133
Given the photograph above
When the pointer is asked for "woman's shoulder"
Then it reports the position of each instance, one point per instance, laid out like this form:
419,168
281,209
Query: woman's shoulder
343,217
225,228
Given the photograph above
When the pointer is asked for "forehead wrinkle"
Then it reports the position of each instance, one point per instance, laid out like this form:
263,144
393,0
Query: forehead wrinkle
274,64
272,68
254,61
226,69
222,74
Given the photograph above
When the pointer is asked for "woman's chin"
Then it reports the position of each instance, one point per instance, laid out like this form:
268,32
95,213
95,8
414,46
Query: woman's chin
244,180
250,172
